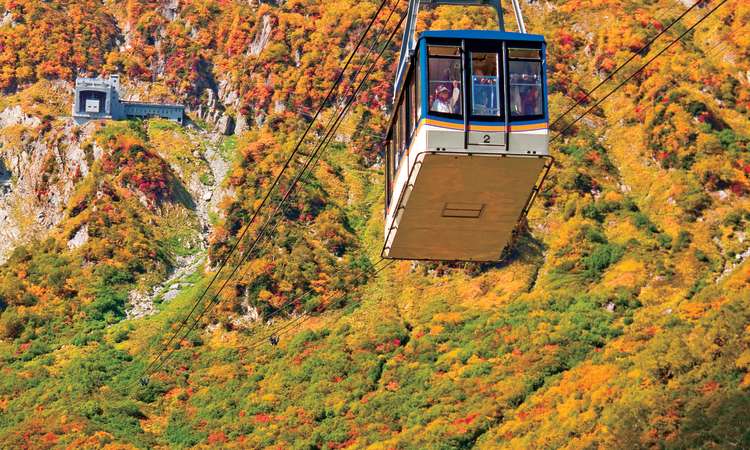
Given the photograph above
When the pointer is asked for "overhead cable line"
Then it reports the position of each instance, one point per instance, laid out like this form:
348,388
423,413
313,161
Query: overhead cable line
335,123
264,227
640,69
276,181
632,57
713,50
312,159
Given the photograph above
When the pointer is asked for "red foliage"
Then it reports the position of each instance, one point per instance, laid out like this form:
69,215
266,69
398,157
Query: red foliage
217,438
466,420
138,168
262,418
738,188
709,387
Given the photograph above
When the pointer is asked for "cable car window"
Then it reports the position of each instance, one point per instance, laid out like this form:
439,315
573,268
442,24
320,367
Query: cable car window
403,118
445,79
412,107
485,90
390,168
396,143
525,68
418,87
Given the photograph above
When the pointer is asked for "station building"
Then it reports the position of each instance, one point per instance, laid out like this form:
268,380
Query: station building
99,98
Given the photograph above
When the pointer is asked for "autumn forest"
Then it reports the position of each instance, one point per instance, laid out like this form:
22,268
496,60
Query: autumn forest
619,318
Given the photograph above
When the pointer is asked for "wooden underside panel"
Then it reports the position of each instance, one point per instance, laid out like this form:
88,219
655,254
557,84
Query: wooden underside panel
458,185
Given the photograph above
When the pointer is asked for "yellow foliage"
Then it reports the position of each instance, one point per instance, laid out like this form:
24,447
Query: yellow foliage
621,232
270,398
613,196
155,424
743,362
627,273
448,318
745,383
222,372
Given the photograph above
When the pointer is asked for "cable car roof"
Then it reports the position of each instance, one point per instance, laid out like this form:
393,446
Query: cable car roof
491,35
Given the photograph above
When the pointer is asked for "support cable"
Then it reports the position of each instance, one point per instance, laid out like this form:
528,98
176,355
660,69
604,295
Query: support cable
212,302
276,181
632,57
640,69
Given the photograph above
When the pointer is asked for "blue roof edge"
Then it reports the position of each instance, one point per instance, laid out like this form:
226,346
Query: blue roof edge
482,34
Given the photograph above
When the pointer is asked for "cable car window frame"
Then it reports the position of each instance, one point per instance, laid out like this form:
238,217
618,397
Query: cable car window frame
389,168
496,48
417,74
516,45
396,140
403,127
412,106
460,56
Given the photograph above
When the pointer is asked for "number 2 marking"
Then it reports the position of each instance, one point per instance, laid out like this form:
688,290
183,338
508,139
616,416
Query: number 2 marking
486,139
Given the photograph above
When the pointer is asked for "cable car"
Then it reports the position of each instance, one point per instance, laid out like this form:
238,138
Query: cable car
467,147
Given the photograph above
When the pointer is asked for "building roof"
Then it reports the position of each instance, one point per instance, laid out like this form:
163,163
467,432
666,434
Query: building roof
154,105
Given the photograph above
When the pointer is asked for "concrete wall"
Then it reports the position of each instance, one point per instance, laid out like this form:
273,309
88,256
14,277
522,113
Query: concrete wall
145,110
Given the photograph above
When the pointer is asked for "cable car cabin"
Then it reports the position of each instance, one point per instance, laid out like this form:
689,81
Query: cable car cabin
467,145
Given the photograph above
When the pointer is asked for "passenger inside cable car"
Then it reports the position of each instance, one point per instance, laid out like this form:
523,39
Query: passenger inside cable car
445,79
445,100
485,93
525,84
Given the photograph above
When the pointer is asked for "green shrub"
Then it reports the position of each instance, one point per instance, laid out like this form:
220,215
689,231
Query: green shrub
734,218
179,432
108,306
684,238
601,258
11,325
570,209
665,240
644,223
693,202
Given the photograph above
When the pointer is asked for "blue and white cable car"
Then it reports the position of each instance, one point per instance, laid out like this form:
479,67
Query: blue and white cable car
466,151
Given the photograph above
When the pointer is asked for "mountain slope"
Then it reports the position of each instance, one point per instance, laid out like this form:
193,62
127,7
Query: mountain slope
620,319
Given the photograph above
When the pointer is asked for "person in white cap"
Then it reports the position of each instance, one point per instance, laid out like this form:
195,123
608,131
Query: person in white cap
444,101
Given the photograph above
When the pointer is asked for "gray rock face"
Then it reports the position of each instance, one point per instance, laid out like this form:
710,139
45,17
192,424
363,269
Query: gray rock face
247,317
170,9
229,97
241,126
80,238
225,125
141,304
38,177
7,19
15,116
262,37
